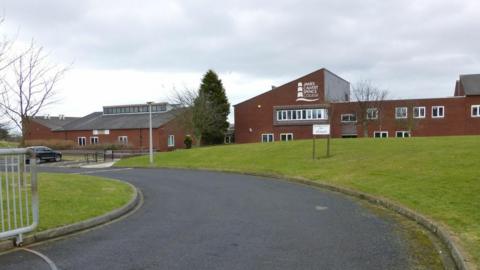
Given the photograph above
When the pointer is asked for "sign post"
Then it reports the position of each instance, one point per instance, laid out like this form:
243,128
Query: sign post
321,130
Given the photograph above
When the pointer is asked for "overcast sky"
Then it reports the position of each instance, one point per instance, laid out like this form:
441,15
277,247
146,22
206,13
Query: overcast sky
136,51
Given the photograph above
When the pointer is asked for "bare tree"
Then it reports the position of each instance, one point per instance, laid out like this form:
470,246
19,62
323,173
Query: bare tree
194,114
369,99
28,87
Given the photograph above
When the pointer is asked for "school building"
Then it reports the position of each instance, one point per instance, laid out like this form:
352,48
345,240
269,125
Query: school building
289,111
124,124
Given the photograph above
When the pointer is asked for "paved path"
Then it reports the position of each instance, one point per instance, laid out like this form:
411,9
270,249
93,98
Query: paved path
206,220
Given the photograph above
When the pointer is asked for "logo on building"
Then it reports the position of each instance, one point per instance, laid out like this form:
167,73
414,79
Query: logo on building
307,91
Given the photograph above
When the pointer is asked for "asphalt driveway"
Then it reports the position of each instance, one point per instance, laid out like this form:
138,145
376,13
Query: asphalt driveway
206,220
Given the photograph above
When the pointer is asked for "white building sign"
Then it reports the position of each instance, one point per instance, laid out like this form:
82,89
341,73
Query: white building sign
307,91
321,129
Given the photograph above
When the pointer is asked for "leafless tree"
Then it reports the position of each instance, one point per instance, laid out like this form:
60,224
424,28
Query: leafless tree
368,98
28,86
194,114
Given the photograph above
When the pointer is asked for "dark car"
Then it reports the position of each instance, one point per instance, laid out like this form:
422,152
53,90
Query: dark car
45,154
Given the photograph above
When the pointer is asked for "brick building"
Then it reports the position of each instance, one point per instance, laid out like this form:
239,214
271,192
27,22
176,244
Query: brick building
125,124
321,97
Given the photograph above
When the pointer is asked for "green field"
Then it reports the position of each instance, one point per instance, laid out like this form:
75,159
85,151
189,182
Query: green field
438,177
67,198
5,144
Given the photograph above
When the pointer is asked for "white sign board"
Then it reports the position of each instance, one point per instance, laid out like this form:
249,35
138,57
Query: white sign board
321,129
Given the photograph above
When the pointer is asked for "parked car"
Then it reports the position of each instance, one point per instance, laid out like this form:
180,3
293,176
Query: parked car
45,154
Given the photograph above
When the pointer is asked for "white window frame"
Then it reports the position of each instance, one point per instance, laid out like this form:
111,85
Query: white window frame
123,139
380,132
94,140
302,115
399,109
403,134
267,134
171,141
286,137
369,110
438,107
84,139
348,114
478,111
420,109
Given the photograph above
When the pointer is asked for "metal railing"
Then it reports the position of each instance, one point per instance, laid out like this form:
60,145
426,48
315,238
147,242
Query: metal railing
18,193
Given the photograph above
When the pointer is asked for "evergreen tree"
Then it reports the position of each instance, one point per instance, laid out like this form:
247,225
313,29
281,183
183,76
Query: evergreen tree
213,108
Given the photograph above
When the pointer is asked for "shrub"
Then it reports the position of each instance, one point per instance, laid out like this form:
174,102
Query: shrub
188,142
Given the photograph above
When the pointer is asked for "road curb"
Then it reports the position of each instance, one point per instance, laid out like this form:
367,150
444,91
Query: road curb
459,255
79,226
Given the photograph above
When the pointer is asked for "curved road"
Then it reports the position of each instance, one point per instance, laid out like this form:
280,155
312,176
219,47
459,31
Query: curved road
206,220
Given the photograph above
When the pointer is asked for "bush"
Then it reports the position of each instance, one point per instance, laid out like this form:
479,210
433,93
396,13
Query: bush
188,142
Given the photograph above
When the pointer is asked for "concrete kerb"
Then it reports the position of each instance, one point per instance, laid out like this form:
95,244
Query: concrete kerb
79,226
460,257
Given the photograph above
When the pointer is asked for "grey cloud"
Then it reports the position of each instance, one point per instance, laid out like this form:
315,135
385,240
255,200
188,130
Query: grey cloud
400,44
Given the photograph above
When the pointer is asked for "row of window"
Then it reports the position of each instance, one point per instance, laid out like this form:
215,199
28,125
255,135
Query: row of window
398,134
82,141
400,113
270,137
303,114
134,109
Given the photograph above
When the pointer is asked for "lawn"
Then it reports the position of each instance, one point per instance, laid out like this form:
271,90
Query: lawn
67,198
437,176
5,144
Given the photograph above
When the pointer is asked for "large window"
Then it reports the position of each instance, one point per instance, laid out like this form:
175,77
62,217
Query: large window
171,140
402,134
94,140
401,112
419,112
123,139
267,137
380,134
348,118
82,141
303,114
438,111
372,113
475,110
285,137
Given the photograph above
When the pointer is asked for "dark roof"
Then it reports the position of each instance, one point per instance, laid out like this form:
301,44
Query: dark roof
53,122
98,120
471,84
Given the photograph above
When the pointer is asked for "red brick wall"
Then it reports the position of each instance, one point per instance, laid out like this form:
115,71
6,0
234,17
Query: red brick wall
255,116
37,131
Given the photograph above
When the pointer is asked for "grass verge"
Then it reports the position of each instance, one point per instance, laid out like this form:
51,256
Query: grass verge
436,176
67,198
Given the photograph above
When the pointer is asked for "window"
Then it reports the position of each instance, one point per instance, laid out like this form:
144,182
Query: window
419,112
401,112
380,134
402,134
372,113
305,114
267,137
94,140
438,111
171,141
285,137
475,110
123,139
82,141
348,117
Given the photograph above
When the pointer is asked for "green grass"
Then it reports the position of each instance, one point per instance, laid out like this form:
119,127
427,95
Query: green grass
5,144
66,198
437,176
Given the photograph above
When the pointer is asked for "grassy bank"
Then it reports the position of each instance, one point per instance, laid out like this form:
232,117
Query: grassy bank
5,144
439,177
